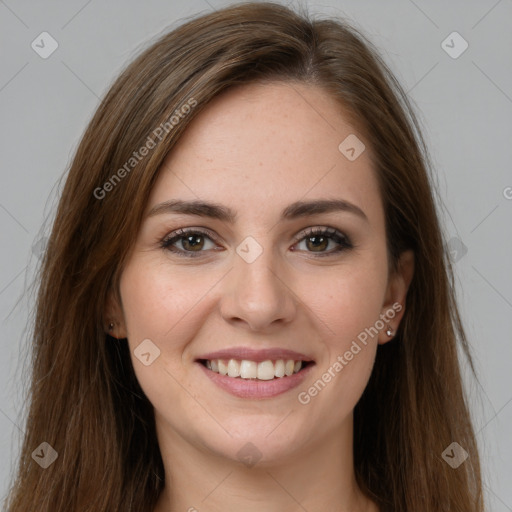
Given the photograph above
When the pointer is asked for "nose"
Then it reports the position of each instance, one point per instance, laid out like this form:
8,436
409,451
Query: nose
258,294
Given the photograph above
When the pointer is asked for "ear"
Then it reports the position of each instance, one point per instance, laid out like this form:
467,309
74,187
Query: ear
393,308
114,318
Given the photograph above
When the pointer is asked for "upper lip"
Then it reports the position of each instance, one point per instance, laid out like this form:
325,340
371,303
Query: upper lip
250,354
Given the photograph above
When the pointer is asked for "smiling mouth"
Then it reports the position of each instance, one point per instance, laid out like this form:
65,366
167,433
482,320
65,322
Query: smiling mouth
252,370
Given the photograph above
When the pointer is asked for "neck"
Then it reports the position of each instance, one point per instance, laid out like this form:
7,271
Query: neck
313,480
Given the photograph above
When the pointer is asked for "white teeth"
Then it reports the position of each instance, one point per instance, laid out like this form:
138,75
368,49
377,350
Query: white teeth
248,369
223,367
279,368
266,370
233,368
245,369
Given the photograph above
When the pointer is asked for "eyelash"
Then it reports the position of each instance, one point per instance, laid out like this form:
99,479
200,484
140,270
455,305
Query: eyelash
342,240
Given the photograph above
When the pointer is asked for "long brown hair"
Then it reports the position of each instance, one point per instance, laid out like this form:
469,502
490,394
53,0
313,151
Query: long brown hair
84,398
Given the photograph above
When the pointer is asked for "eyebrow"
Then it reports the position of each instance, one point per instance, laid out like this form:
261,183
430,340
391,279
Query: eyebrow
225,214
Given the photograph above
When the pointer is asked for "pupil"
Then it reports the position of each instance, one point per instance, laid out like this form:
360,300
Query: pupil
323,240
192,240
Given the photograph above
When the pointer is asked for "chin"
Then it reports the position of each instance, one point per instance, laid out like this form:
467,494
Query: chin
265,443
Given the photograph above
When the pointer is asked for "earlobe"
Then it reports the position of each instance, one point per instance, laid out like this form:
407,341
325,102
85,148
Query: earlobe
114,318
396,293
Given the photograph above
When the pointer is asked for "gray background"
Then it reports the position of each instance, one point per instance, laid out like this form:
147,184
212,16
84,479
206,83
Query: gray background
464,104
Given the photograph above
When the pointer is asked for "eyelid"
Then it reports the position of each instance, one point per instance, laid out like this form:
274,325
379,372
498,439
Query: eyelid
299,236
185,231
326,230
342,240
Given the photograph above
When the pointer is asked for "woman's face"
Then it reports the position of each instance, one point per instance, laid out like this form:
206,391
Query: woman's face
250,283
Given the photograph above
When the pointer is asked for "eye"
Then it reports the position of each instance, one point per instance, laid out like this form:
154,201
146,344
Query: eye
317,239
192,242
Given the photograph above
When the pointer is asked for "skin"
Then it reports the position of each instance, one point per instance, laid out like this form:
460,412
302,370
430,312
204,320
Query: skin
270,145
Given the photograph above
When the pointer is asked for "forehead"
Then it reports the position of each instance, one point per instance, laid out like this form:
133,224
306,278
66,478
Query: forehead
263,144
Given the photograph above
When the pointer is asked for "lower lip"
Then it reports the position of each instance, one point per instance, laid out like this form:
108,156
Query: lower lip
256,389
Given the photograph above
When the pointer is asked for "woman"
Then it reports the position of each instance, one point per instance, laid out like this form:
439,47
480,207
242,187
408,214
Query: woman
246,303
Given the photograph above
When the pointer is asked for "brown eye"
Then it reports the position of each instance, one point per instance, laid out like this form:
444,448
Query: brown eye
317,240
189,243
192,242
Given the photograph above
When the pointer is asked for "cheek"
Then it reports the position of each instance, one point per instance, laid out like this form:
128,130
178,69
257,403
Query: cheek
349,301
349,313
348,305
162,305
158,300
